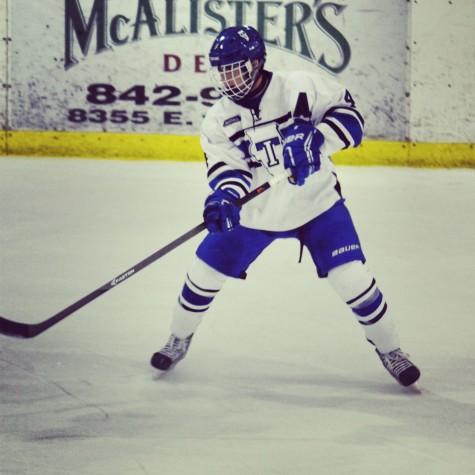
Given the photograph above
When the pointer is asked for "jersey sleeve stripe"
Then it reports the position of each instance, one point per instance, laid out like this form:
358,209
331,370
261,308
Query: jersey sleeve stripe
215,168
347,110
346,124
347,116
338,131
238,135
232,181
236,186
222,167
226,177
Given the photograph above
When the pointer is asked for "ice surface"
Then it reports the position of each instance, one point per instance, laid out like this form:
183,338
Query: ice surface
279,378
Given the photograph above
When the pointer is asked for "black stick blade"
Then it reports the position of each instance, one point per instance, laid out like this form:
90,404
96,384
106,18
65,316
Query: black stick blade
17,329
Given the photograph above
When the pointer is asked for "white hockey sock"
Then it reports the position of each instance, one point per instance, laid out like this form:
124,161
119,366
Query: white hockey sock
202,284
357,287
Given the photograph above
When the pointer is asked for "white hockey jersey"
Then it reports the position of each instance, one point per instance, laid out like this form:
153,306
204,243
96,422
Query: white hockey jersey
243,147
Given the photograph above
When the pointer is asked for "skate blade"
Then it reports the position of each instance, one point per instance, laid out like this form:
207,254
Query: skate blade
413,389
159,374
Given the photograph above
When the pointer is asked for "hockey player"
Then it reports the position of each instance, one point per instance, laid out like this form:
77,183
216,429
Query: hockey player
264,123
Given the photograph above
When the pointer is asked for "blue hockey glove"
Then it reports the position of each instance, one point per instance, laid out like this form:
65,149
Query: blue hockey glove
302,144
221,212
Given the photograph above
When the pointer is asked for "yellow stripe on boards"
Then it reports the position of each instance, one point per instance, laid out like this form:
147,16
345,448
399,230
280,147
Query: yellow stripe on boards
126,146
404,154
119,146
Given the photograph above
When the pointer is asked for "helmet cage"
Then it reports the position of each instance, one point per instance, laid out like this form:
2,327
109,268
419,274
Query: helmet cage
234,80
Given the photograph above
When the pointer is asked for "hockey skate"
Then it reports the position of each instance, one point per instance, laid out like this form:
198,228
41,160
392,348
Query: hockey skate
173,352
399,367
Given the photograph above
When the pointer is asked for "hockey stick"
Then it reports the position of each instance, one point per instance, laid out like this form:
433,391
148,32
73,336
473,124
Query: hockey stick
30,330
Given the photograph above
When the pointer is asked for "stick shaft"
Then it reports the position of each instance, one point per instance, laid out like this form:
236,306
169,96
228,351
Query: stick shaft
27,330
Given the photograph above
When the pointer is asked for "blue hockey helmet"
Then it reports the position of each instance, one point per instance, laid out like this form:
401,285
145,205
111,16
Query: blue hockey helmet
237,56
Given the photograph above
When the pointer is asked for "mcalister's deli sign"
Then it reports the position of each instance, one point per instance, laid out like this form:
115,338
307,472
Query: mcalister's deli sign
91,26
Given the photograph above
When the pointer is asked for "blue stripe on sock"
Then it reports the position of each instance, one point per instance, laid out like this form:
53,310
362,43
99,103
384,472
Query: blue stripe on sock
195,299
369,307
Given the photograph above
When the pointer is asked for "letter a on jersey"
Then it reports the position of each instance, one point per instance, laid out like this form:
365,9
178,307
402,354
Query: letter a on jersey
302,109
